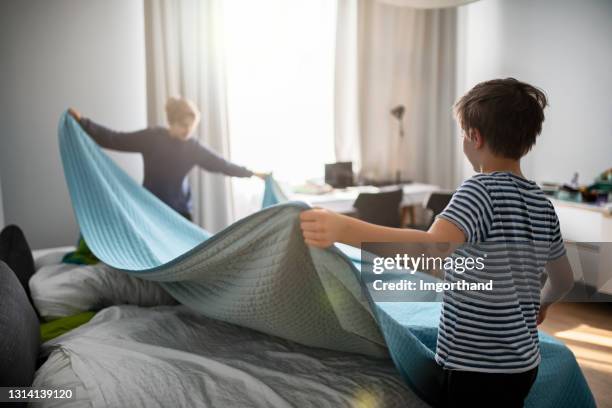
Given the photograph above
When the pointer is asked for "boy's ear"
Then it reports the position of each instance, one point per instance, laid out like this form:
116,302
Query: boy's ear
476,137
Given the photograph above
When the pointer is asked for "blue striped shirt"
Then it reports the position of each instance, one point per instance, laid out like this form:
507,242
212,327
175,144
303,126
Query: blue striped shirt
495,331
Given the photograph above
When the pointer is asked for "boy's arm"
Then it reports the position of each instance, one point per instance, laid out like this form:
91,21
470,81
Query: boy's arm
466,219
110,139
560,276
560,281
211,161
321,228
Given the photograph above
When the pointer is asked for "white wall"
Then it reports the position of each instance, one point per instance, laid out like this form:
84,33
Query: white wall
55,54
564,47
1,207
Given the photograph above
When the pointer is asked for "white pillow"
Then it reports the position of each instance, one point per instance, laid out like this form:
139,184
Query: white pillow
60,290
50,256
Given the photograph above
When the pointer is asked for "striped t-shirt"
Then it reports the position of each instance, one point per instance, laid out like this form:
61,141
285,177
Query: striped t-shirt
495,331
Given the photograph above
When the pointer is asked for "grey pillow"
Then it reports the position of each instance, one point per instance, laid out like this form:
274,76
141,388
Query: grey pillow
15,251
20,333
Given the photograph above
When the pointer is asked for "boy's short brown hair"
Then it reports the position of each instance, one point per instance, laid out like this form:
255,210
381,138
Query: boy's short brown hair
507,113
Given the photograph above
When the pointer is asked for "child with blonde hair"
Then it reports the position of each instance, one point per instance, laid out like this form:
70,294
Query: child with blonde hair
169,153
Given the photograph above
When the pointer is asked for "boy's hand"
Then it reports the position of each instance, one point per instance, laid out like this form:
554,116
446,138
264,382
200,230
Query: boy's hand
321,228
75,114
542,314
261,175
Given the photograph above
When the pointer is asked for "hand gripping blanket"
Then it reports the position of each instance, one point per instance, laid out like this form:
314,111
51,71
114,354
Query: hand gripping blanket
258,273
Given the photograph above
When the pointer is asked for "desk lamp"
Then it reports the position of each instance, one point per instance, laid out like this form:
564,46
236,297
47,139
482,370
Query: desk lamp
398,113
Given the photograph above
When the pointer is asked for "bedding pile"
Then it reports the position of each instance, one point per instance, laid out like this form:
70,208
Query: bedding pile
258,273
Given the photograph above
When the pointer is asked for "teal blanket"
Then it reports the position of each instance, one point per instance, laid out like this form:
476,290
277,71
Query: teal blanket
258,273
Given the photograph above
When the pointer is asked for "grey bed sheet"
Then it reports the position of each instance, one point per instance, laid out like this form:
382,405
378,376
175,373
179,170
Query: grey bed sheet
170,356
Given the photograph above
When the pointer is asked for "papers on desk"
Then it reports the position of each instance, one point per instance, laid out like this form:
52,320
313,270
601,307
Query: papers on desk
312,188
341,200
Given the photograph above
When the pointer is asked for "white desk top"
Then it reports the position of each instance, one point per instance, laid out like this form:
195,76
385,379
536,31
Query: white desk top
604,209
341,200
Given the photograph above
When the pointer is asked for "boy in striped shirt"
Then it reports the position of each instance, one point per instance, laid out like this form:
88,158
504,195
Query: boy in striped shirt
487,344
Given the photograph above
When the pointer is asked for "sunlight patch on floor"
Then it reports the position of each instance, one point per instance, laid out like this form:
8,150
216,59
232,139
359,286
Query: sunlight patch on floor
591,346
587,334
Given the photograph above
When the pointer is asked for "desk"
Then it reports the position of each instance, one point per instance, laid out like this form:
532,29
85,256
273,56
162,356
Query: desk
589,229
341,200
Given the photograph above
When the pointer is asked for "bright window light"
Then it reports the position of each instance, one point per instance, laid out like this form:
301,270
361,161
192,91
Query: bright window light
280,82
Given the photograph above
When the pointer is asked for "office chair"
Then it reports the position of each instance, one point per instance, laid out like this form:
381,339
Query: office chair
381,208
436,203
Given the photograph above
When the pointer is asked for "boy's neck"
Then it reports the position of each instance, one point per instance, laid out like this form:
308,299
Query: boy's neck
501,164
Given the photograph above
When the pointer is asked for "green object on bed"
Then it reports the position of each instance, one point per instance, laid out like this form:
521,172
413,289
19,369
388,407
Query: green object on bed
63,325
82,255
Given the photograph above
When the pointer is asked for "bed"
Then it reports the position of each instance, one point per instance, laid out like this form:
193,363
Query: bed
154,352
285,315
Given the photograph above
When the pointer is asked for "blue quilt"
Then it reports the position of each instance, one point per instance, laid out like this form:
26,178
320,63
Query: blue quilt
259,273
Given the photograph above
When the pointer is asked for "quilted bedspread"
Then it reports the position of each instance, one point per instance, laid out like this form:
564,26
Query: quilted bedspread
258,273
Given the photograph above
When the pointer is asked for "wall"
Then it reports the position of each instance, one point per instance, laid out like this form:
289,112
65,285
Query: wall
56,54
1,207
564,47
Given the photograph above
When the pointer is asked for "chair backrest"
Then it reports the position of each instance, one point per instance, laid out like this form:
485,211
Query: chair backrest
19,332
437,202
382,208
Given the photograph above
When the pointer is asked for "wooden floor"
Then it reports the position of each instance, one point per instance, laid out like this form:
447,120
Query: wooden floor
586,328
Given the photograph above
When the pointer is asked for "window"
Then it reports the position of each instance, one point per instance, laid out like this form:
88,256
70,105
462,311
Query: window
280,84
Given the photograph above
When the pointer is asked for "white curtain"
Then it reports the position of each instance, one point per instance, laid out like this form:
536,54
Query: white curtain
184,57
426,4
387,56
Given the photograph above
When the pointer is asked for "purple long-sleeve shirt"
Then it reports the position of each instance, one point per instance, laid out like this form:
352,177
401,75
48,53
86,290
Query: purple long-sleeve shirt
167,160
